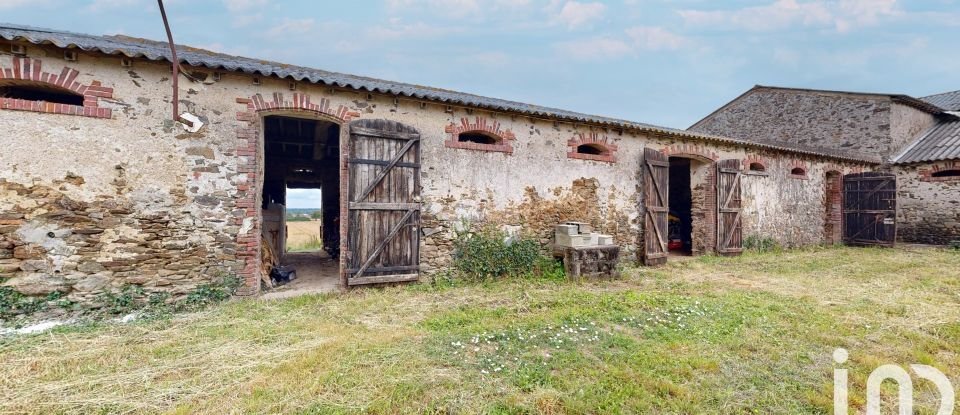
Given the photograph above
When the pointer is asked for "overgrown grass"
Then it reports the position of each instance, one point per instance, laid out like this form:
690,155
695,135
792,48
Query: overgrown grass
753,334
313,243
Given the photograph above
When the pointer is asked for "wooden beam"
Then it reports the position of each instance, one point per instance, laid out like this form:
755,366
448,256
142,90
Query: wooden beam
380,279
383,206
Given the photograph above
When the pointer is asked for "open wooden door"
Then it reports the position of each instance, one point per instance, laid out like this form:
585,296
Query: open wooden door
656,191
870,209
729,206
383,212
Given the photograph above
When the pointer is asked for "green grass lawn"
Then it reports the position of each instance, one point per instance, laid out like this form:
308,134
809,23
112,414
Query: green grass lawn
753,334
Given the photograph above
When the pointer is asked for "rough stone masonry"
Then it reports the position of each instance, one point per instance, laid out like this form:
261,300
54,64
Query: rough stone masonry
112,192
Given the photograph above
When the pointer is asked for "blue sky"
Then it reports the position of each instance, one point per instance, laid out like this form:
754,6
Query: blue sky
664,62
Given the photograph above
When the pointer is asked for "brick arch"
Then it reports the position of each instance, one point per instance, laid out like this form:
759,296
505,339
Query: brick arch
31,70
609,149
799,164
250,155
690,150
480,125
299,103
754,159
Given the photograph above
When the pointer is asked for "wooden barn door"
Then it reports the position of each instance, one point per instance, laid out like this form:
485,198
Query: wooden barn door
870,209
729,206
656,190
383,238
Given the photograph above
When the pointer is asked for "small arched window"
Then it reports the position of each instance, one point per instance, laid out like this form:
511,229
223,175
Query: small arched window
39,92
477,137
947,173
592,149
757,167
798,172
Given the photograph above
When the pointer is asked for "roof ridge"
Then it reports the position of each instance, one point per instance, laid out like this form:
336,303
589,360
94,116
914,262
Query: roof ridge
134,47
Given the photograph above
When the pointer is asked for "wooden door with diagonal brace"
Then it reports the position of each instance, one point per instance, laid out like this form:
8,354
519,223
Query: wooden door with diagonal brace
729,208
383,212
870,209
656,206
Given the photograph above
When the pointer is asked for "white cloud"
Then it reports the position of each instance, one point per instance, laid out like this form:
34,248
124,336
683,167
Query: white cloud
12,4
598,48
453,8
655,38
289,27
574,14
397,30
840,15
237,6
103,5
778,15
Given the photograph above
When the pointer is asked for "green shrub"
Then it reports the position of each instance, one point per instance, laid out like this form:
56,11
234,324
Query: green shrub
955,245
489,254
760,244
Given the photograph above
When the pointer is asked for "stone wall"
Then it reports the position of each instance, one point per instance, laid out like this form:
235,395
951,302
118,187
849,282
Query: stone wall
133,198
863,124
928,208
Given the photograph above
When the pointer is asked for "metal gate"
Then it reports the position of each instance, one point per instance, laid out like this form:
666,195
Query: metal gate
729,206
870,209
656,175
383,238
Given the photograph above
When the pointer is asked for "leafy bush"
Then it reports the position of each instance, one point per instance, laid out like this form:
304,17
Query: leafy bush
490,254
955,245
760,244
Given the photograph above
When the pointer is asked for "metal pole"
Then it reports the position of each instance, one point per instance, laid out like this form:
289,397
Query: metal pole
176,64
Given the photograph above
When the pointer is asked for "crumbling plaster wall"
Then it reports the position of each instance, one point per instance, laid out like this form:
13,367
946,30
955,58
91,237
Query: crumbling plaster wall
93,204
928,211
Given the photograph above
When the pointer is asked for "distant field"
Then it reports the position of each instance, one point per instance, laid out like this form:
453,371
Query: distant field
303,234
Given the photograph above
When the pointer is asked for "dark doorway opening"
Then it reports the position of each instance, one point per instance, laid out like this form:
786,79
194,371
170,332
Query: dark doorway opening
680,219
301,154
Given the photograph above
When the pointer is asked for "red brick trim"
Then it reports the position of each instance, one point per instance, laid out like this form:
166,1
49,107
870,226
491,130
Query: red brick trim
480,125
754,159
30,69
300,103
249,154
607,147
690,150
926,175
799,164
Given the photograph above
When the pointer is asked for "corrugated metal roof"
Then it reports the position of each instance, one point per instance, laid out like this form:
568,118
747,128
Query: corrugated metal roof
949,101
154,50
941,142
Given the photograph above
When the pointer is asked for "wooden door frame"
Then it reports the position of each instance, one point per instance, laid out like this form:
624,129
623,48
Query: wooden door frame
261,162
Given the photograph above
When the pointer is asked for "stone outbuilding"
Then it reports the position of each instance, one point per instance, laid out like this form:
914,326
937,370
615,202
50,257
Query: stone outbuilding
104,185
917,141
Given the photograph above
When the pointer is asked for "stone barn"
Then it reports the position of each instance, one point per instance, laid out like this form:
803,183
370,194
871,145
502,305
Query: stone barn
104,185
917,141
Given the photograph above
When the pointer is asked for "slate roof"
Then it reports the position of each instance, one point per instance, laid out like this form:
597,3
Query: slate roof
949,101
940,142
155,50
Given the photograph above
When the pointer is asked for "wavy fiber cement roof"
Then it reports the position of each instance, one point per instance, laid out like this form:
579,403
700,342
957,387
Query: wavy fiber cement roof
155,50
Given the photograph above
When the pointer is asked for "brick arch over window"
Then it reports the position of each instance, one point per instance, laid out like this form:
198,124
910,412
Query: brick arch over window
942,172
249,153
604,148
490,128
690,150
799,169
30,70
755,164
